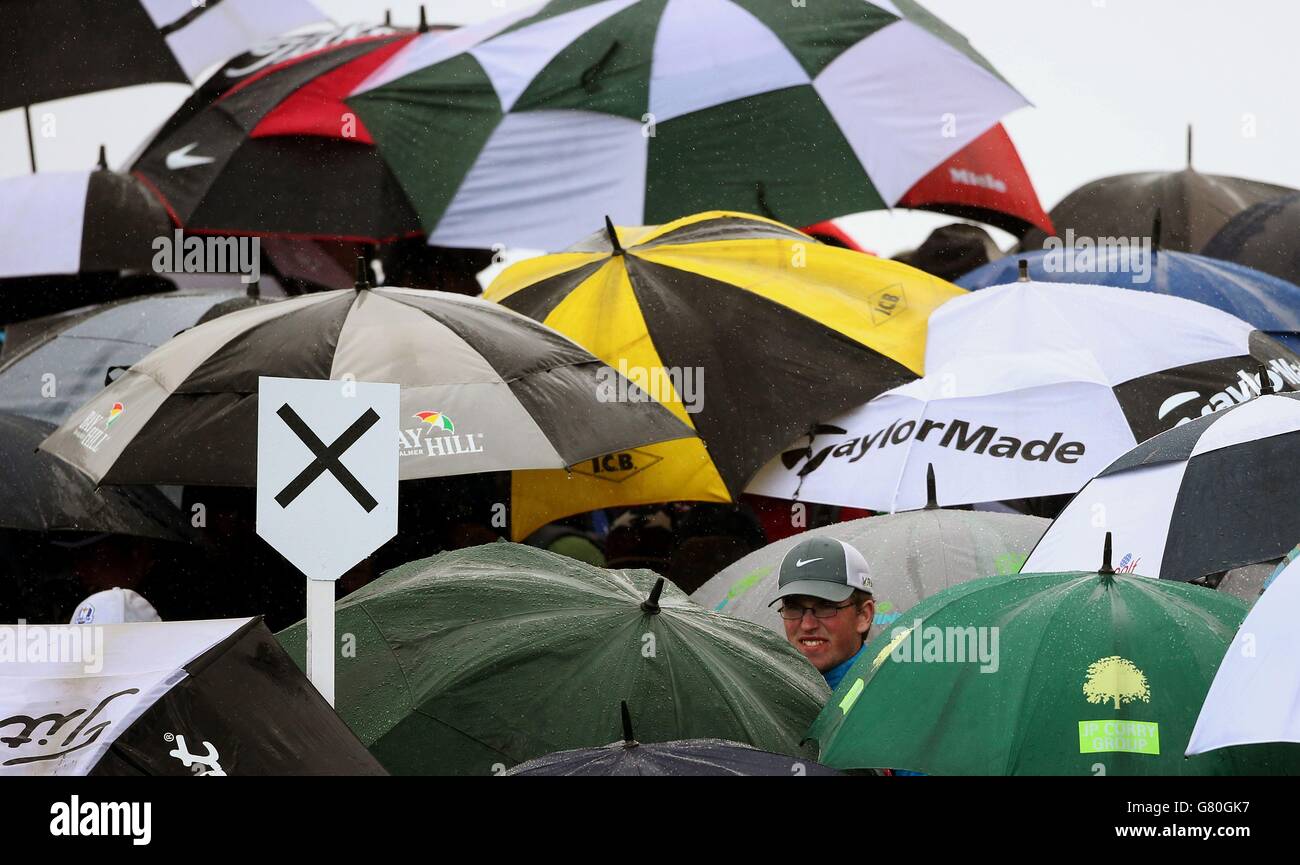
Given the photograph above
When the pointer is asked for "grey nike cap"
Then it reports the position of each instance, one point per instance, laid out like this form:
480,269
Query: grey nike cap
825,568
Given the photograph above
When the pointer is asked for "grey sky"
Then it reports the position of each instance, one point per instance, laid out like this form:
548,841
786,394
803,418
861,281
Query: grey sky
1114,84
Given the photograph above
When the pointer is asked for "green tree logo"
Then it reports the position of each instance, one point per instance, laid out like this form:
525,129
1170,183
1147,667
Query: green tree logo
1116,679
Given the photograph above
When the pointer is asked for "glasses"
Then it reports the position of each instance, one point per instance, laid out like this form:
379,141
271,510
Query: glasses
820,611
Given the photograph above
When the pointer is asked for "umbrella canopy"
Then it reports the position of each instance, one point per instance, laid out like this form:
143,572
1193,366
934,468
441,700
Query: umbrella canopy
1193,206
912,556
984,181
88,350
746,329
43,494
1212,494
690,758
216,697
267,146
1255,696
521,129
498,654
482,389
1263,237
70,47
77,221
1041,674
1030,390
1270,304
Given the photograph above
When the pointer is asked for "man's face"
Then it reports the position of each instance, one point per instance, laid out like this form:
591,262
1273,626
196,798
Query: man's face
828,642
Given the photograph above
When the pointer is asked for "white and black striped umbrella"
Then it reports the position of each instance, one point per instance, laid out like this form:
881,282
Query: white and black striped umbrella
1030,390
1213,494
483,389
77,222
217,697
60,48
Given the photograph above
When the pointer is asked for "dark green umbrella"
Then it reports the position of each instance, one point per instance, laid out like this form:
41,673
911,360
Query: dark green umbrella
473,661
1090,674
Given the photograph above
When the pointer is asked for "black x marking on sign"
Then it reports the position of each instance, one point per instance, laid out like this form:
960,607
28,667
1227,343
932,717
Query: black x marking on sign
327,458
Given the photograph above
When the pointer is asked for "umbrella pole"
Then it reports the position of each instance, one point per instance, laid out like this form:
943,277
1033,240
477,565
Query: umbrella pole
320,637
31,141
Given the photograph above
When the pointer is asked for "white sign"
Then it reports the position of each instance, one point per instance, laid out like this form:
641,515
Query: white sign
326,471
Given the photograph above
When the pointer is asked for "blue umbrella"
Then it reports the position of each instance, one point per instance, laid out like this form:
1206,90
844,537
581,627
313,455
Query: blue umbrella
1269,303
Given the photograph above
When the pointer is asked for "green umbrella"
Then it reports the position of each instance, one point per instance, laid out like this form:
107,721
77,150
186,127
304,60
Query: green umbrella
473,661
1072,674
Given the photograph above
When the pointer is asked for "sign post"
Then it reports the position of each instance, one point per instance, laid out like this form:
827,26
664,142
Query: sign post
326,489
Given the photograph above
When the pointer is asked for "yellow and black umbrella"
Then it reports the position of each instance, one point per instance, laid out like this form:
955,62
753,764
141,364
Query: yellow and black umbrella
746,329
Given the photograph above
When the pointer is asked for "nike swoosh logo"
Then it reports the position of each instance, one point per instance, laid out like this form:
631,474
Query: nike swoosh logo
802,562
181,158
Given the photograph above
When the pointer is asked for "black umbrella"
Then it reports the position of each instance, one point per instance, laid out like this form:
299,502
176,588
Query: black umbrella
688,757
63,48
44,494
1263,237
1193,206
216,697
59,369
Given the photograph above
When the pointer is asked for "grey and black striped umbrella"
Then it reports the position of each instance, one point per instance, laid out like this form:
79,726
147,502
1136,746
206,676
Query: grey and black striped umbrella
1208,496
483,389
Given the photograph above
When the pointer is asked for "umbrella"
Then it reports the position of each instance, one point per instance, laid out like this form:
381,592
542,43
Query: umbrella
765,331
1194,206
268,147
693,757
216,697
1255,696
1272,305
43,494
952,250
1215,493
71,47
1263,237
498,654
1030,390
483,389
984,181
54,373
519,129
912,556
1081,673
77,221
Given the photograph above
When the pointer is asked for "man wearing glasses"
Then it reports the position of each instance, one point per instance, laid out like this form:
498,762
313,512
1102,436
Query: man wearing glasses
825,592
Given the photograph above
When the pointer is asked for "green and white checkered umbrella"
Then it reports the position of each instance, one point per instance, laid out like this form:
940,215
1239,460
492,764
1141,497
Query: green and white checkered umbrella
525,129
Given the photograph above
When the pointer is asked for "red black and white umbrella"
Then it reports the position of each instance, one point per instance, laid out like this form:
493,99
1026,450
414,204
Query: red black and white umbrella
216,697
267,146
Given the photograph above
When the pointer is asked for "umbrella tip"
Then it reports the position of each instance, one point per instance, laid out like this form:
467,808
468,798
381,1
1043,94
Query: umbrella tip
1265,381
628,738
1105,557
363,274
1156,223
613,235
103,158
424,20
254,289
1189,146
1024,270
651,604
388,17
931,491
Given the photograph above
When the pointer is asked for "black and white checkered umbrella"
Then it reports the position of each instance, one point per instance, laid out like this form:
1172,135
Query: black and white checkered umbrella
1215,493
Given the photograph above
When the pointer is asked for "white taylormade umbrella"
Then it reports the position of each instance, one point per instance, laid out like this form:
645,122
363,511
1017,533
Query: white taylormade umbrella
1255,696
1030,390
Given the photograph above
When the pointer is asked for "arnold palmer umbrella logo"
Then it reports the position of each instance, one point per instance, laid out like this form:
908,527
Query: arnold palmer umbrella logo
435,436
89,434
